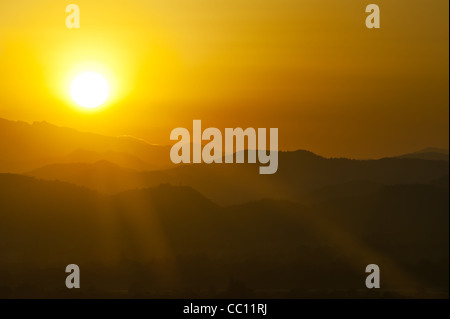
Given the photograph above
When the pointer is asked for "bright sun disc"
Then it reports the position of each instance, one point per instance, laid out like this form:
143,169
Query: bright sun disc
89,90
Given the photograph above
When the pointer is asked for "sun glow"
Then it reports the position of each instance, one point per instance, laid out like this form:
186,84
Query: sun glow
89,90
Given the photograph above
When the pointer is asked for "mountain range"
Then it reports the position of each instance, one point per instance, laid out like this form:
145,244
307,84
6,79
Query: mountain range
299,174
139,226
42,143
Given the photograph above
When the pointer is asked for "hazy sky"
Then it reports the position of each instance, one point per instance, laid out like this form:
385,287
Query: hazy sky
309,67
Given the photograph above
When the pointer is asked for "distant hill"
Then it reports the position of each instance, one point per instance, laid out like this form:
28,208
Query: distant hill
433,154
299,174
173,241
28,146
102,176
118,158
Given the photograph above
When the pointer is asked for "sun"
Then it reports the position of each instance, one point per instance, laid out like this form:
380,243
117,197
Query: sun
89,90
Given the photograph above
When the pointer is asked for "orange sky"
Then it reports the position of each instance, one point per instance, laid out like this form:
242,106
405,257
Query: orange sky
310,68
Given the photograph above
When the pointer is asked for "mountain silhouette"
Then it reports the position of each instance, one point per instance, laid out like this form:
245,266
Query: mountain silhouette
434,154
42,143
300,173
115,164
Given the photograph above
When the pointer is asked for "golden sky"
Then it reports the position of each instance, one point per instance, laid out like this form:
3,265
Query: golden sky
309,67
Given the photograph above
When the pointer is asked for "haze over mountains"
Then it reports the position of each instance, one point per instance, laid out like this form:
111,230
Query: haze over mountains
299,173
141,227
29,146
111,165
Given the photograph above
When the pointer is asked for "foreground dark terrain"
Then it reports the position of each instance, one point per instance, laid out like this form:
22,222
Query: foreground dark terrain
170,241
